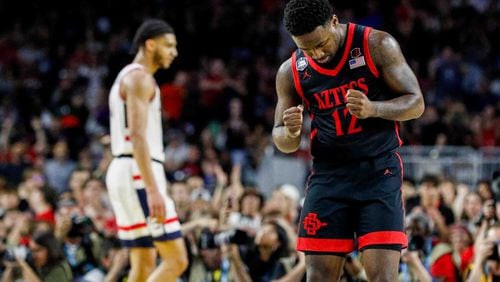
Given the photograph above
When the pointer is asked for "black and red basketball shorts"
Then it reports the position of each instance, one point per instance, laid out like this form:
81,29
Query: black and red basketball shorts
354,205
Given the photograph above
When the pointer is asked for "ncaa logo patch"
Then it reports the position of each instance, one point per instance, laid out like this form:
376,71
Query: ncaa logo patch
301,64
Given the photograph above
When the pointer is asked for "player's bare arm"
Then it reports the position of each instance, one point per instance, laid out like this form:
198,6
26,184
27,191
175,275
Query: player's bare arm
139,88
397,74
288,113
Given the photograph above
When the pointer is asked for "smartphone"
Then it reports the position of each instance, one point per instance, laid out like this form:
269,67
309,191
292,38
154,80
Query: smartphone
495,256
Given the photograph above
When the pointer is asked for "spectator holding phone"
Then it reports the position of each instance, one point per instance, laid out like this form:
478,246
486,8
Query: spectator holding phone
486,265
262,261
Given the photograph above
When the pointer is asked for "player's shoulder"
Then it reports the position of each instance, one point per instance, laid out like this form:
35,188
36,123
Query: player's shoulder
138,78
383,46
284,78
381,39
285,68
138,75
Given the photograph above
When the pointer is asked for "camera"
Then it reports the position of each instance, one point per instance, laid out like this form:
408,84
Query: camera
418,230
495,256
209,240
233,236
80,225
416,243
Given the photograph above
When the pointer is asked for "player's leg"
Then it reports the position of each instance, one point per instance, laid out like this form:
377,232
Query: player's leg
174,260
326,231
381,264
324,267
380,232
142,263
128,202
168,239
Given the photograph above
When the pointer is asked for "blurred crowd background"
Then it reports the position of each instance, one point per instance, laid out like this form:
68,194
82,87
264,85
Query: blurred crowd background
57,63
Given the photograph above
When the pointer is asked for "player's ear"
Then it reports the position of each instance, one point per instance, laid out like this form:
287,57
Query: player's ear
334,21
150,44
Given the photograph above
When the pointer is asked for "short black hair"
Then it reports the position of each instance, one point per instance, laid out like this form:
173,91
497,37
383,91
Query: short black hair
149,29
303,16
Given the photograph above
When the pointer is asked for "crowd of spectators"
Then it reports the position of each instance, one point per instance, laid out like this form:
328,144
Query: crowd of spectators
56,67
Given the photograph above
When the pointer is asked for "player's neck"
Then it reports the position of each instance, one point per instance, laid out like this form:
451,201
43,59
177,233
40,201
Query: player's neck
342,34
147,63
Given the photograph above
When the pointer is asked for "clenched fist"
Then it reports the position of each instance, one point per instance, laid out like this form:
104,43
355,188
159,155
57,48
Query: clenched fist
359,105
292,120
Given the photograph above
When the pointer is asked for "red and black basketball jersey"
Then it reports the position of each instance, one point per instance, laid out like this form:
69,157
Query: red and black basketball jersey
336,135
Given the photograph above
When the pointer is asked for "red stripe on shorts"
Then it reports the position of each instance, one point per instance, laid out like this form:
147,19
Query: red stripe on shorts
325,245
383,238
132,227
170,220
143,224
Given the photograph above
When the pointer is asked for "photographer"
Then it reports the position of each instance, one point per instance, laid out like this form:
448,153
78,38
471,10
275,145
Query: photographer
81,248
81,244
114,261
209,264
486,265
262,262
419,232
45,263
249,216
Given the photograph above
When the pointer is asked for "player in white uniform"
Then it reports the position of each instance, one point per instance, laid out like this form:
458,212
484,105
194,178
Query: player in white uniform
146,216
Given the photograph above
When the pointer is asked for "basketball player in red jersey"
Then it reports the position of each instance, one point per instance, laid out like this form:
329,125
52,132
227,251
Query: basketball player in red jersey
356,86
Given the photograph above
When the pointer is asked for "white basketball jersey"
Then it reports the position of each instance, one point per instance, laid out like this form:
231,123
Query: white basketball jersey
120,135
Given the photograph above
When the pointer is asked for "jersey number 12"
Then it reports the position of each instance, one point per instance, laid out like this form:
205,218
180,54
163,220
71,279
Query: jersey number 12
354,127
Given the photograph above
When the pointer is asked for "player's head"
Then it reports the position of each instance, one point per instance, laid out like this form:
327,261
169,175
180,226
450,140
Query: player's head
314,28
156,39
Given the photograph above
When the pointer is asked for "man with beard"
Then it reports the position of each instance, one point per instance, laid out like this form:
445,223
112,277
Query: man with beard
146,217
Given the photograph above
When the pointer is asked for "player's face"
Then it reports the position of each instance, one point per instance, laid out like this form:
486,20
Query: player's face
322,43
166,50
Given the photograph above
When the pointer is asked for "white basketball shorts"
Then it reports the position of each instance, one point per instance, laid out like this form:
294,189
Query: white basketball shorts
128,198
